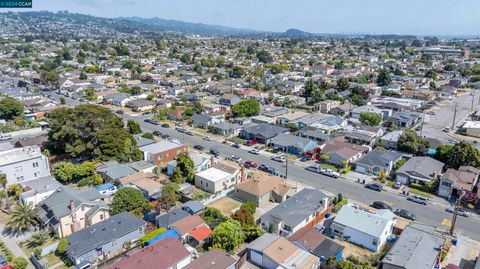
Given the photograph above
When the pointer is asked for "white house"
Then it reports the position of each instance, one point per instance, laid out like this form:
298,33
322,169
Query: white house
22,164
364,228
37,190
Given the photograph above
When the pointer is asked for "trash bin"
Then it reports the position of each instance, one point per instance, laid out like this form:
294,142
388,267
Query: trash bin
454,241
327,215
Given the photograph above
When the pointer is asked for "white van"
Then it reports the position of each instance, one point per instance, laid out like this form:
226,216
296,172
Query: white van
418,199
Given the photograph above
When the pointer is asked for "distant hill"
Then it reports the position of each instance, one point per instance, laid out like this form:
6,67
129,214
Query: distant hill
298,33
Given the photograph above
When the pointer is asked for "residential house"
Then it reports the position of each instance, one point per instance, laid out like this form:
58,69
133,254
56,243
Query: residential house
104,239
452,181
356,112
361,136
148,183
140,105
306,207
204,121
217,178
66,211
342,110
36,141
162,152
201,162
117,99
340,152
271,251
113,171
168,253
193,207
314,134
471,128
176,114
106,190
364,228
293,144
326,105
262,133
292,116
418,247
37,190
168,219
419,170
390,140
213,259
262,188
377,161
193,230
405,119
226,128
313,241
23,164
254,94
229,99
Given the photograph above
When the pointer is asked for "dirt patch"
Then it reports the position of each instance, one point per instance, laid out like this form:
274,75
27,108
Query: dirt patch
226,205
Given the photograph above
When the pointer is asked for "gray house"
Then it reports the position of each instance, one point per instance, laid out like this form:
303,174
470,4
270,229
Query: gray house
406,119
104,239
419,170
390,140
417,248
262,133
376,161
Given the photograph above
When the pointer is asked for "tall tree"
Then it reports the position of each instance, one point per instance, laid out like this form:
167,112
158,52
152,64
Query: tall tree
246,108
22,217
133,127
411,142
185,170
463,154
10,108
370,118
128,199
3,183
228,235
384,78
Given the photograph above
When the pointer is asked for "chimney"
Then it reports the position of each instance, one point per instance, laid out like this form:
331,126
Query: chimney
72,205
212,161
242,175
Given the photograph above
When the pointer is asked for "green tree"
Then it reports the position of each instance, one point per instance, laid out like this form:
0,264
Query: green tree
82,76
441,153
343,84
250,206
170,195
411,142
237,72
90,131
128,199
185,170
309,87
246,108
381,177
133,127
186,58
463,154
252,232
69,172
384,78
264,56
22,217
3,183
10,108
62,246
90,94
244,217
19,263
370,118
213,217
228,235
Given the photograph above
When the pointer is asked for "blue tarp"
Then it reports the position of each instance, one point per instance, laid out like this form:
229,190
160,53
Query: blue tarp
431,151
104,187
167,234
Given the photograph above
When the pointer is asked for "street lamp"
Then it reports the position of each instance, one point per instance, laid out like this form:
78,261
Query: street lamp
455,212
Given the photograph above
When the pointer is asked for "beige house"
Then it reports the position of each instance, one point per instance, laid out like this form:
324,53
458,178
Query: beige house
261,188
215,180
67,211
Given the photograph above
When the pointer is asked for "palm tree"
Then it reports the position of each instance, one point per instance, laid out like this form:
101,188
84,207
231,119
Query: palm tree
382,177
22,217
3,183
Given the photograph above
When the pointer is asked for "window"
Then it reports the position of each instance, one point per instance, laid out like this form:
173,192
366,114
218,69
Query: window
446,184
35,164
140,229
101,216
206,184
374,242
36,174
159,158
287,228
114,242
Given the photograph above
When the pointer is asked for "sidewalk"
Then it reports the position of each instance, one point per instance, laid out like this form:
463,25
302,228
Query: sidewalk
11,243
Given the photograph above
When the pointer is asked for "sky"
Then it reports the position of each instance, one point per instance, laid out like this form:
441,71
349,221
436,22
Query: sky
418,17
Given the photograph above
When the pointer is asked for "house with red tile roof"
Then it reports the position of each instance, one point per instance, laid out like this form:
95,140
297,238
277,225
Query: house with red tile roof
164,254
192,229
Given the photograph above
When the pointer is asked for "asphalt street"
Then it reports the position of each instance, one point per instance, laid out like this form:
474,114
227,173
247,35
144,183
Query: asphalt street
432,214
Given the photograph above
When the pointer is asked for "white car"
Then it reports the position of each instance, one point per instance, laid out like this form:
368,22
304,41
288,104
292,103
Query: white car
280,159
330,173
254,151
431,112
446,129
235,158
461,212
207,138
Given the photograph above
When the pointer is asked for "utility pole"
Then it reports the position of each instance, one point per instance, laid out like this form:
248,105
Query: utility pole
454,116
455,213
421,127
473,99
286,164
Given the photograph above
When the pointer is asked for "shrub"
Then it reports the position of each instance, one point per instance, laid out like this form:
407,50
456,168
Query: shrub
19,263
83,182
149,236
347,169
37,252
250,207
420,187
62,246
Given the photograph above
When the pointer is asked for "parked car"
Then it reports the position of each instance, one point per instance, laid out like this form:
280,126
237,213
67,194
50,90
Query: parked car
381,205
250,164
278,158
146,113
305,158
180,129
254,151
267,168
165,125
446,129
236,145
329,173
430,112
251,142
165,136
207,138
235,158
460,211
199,147
215,152
405,214
5,137
189,133
418,199
313,169
154,122
119,112
157,133
374,186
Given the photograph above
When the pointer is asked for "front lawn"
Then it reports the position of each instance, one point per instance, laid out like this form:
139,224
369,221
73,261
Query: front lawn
329,166
419,192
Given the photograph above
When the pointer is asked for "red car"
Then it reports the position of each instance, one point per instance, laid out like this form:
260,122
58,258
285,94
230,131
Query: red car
249,164
251,142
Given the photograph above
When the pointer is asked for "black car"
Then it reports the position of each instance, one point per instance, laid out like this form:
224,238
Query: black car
215,152
381,205
405,214
374,186
157,133
199,147
165,136
154,122
305,158
165,125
